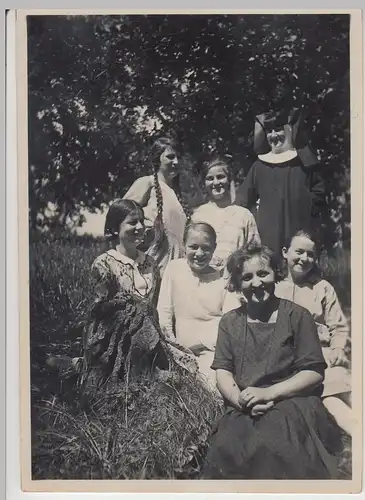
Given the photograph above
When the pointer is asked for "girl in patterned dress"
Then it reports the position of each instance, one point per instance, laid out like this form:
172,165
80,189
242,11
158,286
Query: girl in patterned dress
124,267
121,335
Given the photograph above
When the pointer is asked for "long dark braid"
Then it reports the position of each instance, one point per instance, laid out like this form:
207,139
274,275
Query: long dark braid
176,186
159,242
158,148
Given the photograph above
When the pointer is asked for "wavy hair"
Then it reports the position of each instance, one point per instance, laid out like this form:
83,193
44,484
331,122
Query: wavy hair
239,257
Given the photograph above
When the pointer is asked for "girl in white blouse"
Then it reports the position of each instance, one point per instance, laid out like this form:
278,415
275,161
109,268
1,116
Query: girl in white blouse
235,226
193,297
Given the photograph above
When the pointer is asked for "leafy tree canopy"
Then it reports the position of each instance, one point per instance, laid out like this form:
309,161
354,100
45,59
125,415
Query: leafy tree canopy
102,87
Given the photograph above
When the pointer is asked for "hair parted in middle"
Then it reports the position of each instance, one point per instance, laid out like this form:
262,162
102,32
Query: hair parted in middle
221,162
199,226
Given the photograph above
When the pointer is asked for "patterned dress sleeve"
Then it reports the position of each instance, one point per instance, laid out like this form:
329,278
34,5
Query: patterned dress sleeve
102,280
334,318
223,356
308,352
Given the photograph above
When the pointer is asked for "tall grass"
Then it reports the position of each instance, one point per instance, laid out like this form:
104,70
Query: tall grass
152,428
156,429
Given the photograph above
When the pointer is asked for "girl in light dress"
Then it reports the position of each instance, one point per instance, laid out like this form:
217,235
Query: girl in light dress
304,286
193,297
235,226
159,195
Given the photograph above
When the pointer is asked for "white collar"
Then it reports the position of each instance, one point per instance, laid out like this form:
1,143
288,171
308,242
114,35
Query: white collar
141,257
279,157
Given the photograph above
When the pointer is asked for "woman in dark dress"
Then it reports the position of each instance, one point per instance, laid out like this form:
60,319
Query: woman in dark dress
269,368
285,179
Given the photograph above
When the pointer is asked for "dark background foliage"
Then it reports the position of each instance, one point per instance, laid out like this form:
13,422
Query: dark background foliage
98,84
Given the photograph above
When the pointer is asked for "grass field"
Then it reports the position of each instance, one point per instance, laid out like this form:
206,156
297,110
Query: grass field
156,428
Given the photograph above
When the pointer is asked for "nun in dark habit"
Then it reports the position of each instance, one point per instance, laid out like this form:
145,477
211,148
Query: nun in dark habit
285,179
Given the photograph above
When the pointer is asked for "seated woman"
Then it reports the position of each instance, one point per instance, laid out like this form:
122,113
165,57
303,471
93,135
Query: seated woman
235,226
305,286
122,335
270,370
193,297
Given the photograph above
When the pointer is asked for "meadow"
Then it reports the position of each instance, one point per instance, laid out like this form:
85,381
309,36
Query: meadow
153,428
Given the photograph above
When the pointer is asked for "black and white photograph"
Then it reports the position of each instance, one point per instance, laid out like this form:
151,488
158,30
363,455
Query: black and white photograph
188,192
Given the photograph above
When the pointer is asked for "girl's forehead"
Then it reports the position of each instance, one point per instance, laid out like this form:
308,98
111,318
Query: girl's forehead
169,151
198,235
217,169
256,263
303,242
135,215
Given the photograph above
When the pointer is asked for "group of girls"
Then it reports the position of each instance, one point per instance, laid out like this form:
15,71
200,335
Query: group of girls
274,348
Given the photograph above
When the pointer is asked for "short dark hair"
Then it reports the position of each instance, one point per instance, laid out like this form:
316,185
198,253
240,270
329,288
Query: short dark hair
117,213
311,235
307,233
238,258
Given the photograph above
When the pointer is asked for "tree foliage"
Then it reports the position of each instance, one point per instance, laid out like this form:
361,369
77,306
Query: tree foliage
102,87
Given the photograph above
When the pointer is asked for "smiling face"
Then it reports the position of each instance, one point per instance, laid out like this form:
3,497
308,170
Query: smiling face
257,280
131,230
199,249
217,182
169,163
300,256
280,139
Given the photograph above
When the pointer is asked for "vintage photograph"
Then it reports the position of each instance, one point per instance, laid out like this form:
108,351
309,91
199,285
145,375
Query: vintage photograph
189,231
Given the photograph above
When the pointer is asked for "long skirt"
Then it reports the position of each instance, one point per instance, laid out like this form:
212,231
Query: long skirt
296,439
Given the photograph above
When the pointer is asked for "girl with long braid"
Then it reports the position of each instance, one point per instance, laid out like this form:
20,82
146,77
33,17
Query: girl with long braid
159,195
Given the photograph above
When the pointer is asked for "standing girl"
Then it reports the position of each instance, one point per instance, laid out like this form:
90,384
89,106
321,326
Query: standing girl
284,179
235,226
159,195
193,297
304,286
